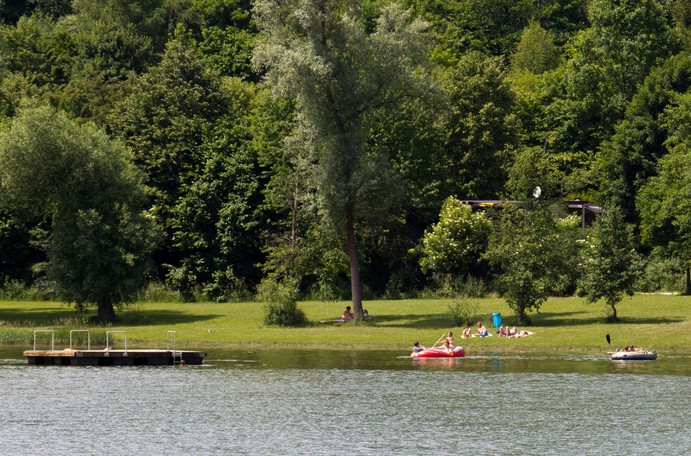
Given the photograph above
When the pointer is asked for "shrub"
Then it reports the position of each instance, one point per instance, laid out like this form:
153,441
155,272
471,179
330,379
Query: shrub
662,275
158,292
14,290
464,311
280,300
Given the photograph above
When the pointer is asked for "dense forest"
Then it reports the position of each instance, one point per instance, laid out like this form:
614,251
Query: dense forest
327,148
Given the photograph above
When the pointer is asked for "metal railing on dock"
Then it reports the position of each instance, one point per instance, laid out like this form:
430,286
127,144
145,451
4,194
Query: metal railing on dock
108,333
177,356
52,337
88,337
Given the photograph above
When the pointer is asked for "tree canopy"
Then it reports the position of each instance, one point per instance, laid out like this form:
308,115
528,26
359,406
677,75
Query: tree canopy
315,143
91,195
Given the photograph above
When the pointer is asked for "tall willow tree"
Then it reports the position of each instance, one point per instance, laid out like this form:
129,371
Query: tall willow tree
340,70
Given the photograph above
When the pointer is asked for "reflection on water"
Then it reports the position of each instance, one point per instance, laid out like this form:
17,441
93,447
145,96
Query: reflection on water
324,402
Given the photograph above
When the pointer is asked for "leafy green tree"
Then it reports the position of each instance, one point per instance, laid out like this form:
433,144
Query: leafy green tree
532,167
481,127
38,49
455,244
536,51
522,250
225,33
301,251
186,126
610,264
534,172
108,57
217,217
681,13
412,136
630,157
664,201
489,26
154,19
606,63
86,187
322,54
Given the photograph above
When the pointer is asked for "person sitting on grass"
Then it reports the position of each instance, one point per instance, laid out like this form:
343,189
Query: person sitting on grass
467,333
481,330
347,314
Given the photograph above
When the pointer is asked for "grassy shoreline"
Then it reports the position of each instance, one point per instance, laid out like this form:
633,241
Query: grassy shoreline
566,325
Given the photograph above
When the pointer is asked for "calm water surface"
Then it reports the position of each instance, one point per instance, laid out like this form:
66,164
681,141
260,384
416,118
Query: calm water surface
342,403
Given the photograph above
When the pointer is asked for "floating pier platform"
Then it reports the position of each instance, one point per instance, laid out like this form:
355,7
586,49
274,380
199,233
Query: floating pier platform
111,357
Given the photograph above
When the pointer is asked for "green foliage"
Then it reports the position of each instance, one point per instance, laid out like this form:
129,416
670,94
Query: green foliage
610,265
280,301
584,98
455,244
664,201
87,187
464,311
188,130
606,63
536,51
42,52
526,250
489,26
14,290
481,127
19,254
158,292
630,157
662,274
322,55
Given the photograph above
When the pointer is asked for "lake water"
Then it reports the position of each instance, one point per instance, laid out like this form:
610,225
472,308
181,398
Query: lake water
343,403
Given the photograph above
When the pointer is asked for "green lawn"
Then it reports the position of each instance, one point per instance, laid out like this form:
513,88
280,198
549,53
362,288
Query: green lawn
658,322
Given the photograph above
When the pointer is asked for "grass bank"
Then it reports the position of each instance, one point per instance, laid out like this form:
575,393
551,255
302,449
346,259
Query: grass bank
659,322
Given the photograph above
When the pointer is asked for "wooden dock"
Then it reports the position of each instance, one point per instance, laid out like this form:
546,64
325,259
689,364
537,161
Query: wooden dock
109,356
145,357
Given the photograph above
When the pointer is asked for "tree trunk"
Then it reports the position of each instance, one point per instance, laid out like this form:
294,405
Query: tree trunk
355,287
106,313
520,316
688,281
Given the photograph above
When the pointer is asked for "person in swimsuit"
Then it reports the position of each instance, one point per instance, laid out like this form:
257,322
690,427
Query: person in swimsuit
451,341
347,314
467,333
481,330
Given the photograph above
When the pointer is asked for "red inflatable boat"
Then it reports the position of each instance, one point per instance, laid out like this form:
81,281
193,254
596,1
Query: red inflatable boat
457,352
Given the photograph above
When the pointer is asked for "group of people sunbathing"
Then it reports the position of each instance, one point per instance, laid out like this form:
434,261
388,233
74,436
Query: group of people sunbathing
512,332
504,331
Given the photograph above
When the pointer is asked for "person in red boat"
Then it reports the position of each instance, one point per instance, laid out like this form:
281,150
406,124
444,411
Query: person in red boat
417,348
450,341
